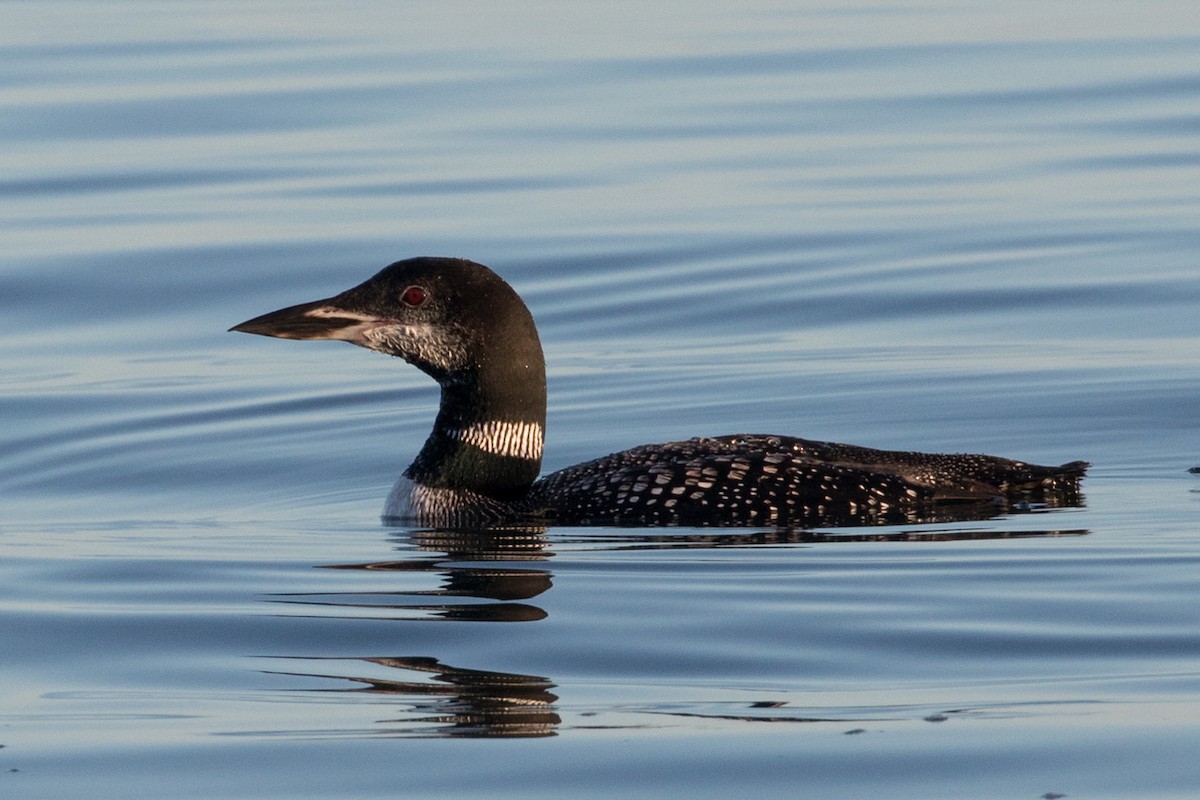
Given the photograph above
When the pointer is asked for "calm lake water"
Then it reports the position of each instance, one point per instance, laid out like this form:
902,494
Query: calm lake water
951,227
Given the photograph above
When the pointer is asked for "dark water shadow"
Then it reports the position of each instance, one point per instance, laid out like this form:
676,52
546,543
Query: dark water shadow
625,540
489,575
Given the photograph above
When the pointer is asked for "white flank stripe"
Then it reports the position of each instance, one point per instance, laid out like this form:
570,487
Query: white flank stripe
500,438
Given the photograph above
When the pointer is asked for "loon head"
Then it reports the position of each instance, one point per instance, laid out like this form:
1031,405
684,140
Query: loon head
452,318
464,326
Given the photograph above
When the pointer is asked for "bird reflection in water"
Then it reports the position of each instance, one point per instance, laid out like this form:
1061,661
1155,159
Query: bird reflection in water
453,701
469,564
491,575
487,574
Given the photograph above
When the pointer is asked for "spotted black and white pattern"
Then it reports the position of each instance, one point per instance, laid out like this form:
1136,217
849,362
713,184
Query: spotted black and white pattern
778,480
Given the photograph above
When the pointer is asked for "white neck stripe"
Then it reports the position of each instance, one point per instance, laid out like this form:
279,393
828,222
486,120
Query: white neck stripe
503,438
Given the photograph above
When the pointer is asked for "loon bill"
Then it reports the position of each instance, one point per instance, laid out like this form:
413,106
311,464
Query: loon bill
460,323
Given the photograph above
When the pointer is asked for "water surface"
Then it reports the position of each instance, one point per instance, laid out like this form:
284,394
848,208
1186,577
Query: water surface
911,226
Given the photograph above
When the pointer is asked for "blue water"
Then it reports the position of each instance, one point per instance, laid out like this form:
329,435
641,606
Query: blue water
921,226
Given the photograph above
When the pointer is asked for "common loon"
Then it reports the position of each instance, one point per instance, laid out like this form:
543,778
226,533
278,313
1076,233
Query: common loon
460,323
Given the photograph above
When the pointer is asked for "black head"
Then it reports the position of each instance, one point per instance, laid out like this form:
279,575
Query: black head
452,318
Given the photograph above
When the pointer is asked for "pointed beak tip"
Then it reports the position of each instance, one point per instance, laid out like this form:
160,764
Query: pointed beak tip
318,320
255,325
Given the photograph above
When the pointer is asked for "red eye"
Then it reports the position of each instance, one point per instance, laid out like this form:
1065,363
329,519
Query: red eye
414,296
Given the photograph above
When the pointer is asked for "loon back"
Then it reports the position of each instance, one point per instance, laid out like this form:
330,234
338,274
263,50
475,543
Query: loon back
756,479
460,323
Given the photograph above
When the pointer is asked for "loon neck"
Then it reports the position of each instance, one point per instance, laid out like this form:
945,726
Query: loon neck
488,435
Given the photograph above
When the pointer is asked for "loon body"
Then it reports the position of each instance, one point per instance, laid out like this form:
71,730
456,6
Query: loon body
469,330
